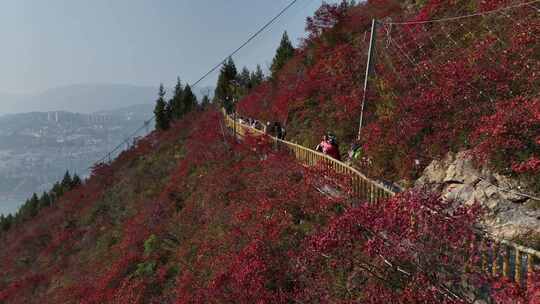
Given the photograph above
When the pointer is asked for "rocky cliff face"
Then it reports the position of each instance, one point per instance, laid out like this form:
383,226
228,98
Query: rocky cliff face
510,214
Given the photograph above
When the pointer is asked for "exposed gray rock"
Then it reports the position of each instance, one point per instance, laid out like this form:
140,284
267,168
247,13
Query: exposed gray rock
457,177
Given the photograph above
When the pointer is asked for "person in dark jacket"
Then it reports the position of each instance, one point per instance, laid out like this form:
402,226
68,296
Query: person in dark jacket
280,131
275,129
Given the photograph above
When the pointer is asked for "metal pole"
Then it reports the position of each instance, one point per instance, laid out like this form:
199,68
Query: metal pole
234,124
368,70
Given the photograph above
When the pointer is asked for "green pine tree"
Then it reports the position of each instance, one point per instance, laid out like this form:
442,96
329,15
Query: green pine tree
244,79
6,222
57,191
257,77
66,181
33,206
160,111
189,100
205,103
176,102
23,212
45,200
76,181
224,94
4,225
284,52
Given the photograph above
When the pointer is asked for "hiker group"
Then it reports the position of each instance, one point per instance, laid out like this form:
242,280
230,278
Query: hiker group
274,129
329,146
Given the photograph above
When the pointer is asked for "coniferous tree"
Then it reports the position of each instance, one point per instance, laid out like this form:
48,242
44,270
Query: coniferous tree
45,200
161,110
168,111
244,79
243,84
67,181
189,100
57,191
76,181
6,222
23,212
284,52
225,90
4,226
33,206
257,77
175,103
205,103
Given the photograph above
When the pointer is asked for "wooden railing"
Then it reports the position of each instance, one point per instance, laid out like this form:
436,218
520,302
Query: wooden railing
497,257
362,187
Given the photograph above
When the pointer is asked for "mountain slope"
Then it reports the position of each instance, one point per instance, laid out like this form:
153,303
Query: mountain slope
191,215
457,84
82,98
194,215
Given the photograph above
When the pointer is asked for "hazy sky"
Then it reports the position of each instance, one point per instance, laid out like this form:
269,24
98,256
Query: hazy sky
50,43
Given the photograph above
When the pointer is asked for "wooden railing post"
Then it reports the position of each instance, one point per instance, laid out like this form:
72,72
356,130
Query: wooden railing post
469,264
506,263
371,198
518,273
495,259
530,270
484,256
234,124
362,189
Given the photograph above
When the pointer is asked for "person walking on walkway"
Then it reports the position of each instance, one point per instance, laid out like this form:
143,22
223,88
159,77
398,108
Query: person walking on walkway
355,152
329,146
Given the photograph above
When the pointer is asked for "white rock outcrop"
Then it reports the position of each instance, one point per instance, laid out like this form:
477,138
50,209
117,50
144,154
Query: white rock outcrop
510,214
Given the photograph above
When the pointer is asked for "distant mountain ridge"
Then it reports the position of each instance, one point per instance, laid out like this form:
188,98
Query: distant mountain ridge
63,128
86,98
81,98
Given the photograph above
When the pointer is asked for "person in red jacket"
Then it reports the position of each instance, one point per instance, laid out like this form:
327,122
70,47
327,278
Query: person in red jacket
329,147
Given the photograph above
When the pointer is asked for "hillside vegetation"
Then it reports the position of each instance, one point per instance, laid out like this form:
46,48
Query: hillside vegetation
191,214
465,84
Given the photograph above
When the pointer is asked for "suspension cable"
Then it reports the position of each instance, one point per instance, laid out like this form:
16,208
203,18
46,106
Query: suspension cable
244,44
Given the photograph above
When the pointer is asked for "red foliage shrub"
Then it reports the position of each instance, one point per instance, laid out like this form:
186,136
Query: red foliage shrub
325,18
28,284
437,87
407,249
505,291
192,215
240,222
509,135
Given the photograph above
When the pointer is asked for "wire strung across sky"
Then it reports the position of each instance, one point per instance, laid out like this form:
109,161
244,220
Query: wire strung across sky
213,69
276,17
268,24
